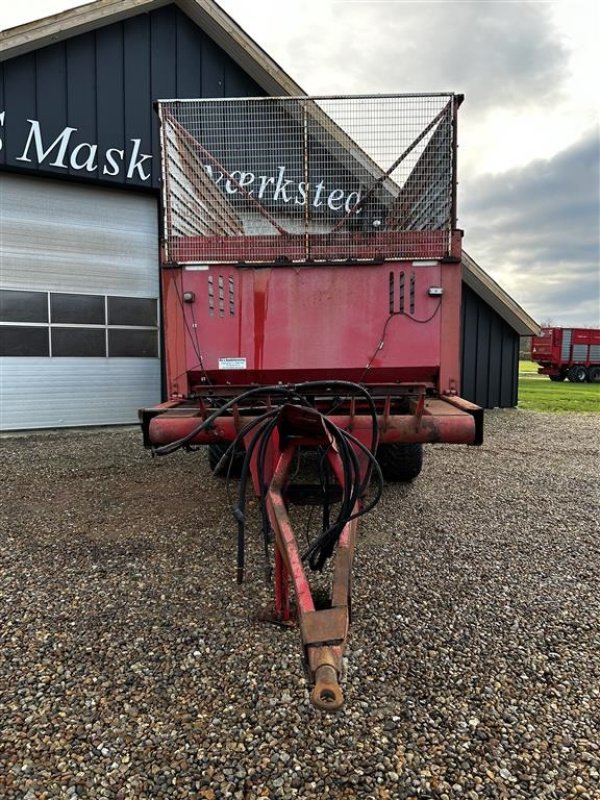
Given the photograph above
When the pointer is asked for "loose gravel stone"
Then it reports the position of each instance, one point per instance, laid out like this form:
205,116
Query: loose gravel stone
132,665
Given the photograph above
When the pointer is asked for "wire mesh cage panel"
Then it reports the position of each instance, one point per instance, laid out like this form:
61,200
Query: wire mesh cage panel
308,179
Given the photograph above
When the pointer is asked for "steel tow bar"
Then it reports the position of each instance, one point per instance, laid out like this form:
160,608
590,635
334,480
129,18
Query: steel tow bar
324,631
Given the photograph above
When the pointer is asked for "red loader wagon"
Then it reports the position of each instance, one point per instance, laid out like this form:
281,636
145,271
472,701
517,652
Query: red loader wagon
311,288
572,353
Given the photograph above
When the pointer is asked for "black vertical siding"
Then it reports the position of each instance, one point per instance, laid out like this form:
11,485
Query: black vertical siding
213,71
19,105
1,104
510,367
137,92
104,83
163,66
51,69
490,353
189,59
469,346
494,374
82,95
482,356
109,64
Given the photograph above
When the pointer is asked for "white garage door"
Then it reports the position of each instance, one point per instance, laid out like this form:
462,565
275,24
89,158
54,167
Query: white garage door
79,341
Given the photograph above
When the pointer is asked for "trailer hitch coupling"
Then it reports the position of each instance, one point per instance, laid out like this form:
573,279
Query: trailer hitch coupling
327,692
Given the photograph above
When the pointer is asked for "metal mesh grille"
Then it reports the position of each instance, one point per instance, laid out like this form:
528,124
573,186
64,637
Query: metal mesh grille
308,179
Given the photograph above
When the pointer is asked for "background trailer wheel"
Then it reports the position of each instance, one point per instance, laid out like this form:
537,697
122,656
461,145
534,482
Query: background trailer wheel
594,375
216,453
400,462
577,374
557,378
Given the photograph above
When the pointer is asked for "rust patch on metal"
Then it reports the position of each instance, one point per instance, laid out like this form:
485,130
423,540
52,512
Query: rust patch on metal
269,614
326,627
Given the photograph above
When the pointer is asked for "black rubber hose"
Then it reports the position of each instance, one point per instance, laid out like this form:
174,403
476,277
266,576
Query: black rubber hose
300,387
239,510
166,449
260,463
243,432
321,548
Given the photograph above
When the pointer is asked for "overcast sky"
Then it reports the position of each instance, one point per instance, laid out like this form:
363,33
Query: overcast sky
528,130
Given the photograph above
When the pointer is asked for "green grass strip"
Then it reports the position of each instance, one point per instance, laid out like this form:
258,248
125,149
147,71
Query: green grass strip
539,393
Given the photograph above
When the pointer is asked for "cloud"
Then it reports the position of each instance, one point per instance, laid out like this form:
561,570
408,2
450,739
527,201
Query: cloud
533,227
496,53
537,230
510,59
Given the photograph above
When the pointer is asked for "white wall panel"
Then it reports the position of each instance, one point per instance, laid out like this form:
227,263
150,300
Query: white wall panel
65,237
69,237
59,392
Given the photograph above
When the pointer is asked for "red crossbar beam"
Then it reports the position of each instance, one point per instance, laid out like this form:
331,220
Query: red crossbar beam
454,426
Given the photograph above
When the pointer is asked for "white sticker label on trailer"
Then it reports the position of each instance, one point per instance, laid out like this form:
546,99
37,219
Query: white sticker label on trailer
232,363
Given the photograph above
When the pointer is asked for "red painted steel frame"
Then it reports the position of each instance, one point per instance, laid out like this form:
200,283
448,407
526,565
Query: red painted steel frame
324,632
443,420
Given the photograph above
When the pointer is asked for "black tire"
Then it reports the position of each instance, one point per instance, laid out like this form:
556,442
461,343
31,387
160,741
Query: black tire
577,374
216,453
594,375
557,378
400,462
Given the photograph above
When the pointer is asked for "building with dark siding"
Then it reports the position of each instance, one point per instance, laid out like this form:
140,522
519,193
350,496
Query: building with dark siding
79,208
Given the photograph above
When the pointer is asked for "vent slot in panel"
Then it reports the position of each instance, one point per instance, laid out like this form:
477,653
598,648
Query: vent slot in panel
221,296
231,296
211,296
412,293
401,290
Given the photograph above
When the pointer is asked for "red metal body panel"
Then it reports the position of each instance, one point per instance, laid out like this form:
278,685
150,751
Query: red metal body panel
291,323
450,329
176,336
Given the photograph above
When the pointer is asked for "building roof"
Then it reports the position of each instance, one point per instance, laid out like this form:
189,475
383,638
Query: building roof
209,16
226,33
494,295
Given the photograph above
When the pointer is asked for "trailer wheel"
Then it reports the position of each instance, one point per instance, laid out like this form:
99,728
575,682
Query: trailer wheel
594,375
560,377
400,462
577,374
216,453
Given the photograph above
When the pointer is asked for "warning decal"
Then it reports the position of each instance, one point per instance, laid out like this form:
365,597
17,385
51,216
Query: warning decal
232,363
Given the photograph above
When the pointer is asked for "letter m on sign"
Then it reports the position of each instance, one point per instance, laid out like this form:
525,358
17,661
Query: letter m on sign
61,144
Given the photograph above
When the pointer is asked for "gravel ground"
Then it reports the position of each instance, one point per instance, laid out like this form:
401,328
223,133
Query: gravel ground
131,665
